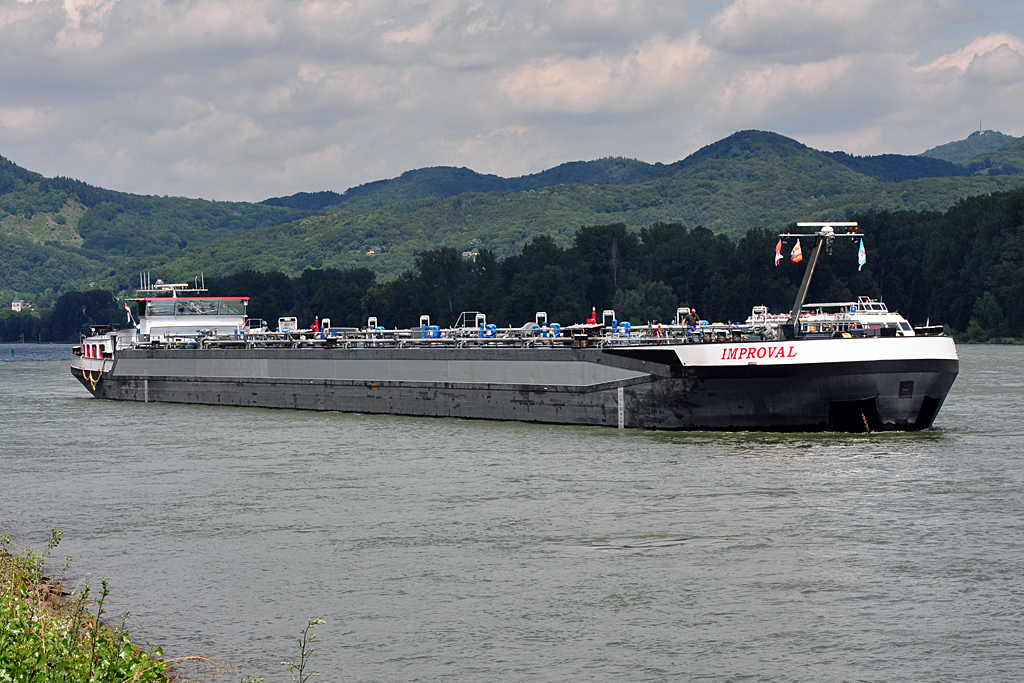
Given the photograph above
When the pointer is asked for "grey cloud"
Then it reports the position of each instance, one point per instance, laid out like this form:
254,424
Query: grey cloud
800,30
248,99
1002,66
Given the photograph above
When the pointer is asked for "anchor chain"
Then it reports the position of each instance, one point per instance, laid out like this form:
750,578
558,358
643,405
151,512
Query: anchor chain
87,374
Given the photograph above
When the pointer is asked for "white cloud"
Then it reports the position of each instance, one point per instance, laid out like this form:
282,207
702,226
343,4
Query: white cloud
780,85
650,73
981,46
1002,67
245,99
20,118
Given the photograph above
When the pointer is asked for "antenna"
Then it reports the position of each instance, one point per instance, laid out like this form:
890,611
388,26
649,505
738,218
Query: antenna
824,235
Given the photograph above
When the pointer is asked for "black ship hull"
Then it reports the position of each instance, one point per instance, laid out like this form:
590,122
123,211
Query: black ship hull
651,388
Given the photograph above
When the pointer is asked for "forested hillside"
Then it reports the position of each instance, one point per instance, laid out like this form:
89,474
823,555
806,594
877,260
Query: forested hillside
747,180
1005,160
57,231
895,168
447,181
974,144
963,268
58,234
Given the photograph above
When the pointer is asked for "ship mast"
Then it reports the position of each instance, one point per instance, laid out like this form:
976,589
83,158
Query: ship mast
825,235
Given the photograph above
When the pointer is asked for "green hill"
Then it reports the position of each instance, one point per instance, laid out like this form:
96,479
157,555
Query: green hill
976,143
61,233
448,181
749,179
957,268
895,168
58,230
1005,160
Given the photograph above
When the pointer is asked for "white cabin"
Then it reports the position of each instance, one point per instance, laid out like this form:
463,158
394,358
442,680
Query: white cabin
160,317
865,312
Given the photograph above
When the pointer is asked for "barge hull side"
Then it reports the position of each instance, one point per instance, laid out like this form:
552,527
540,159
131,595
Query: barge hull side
879,395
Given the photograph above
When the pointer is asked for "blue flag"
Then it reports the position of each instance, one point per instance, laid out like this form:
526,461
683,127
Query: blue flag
862,256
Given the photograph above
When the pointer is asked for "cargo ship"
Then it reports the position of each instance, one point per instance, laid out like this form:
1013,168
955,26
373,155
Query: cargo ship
851,367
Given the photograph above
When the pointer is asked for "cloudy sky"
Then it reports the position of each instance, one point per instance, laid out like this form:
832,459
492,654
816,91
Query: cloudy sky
248,99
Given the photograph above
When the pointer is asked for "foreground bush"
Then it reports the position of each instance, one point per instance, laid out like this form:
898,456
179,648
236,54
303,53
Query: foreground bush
47,635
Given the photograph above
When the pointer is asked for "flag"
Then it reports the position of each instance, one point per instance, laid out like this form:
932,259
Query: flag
778,252
129,312
796,256
862,256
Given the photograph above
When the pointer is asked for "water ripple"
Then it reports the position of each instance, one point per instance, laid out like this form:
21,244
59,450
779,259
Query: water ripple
465,550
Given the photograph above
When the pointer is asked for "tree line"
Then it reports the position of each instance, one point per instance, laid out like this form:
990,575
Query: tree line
71,314
963,268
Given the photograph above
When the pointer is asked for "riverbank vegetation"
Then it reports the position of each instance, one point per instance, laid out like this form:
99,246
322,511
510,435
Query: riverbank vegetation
963,268
52,634
48,634
69,315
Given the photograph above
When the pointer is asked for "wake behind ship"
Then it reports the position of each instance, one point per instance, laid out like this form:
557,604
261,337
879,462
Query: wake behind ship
850,366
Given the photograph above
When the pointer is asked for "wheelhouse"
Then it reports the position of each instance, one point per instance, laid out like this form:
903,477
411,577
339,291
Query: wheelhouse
163,316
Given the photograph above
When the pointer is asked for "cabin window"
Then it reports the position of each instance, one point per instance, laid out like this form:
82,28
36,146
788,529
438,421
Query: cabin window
178,307
232,308
196,307
163,307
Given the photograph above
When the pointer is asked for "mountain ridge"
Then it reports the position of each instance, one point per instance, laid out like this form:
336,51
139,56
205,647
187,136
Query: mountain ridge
736,183
60,232
448,181
1006,159
960,151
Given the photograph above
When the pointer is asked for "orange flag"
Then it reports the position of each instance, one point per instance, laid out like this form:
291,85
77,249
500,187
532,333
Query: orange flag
796,256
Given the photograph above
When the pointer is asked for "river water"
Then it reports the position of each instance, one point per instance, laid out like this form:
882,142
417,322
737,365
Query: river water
476,551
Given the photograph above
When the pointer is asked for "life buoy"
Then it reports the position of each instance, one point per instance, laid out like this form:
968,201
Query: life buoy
853,326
